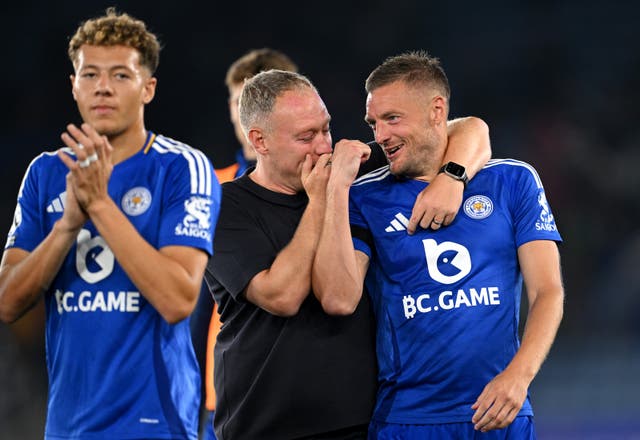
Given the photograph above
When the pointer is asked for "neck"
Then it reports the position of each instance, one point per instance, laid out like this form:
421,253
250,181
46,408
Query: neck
248,152
431,163
127,144
262,177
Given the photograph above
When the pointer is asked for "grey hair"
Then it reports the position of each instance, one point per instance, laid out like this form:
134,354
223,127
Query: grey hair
259,94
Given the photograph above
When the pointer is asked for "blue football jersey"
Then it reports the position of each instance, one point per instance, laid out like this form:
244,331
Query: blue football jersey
447,301
116,368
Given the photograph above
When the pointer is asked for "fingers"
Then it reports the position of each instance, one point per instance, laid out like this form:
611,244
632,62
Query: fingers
307,165
86,143
324,160
498,404
427,217
498,416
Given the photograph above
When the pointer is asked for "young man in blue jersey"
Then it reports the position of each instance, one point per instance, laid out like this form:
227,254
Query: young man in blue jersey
446,301
287,365
114,231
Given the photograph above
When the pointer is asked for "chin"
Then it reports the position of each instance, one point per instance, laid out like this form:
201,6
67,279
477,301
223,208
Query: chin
107,130
395,169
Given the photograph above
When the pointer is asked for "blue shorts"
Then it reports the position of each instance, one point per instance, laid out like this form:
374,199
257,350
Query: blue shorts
520,429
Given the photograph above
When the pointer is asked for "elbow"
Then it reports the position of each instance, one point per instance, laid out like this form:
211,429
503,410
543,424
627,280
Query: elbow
174,318
179,311
340,301
176,315
482,128
6,317
284,304
9,312
339,308
284,308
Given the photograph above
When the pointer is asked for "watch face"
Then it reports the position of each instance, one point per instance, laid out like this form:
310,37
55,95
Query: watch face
455,169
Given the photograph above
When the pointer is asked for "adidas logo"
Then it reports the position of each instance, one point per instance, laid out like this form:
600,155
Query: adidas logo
57,205
399,223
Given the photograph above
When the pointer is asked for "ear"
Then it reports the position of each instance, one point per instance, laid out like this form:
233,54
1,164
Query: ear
72,78
257,141
439,111
149,90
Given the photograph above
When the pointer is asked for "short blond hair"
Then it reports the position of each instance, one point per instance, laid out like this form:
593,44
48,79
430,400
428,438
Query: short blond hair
115,29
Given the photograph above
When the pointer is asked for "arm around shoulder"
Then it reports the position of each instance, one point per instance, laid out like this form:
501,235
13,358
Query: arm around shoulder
469,143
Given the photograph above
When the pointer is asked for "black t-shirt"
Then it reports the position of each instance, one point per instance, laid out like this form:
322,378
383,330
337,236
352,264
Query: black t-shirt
281,378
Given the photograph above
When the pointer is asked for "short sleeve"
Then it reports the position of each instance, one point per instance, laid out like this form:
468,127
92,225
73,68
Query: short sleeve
191,202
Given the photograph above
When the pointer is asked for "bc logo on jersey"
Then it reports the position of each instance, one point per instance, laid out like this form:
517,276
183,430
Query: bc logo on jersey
94,259
197,221
447,262
136,201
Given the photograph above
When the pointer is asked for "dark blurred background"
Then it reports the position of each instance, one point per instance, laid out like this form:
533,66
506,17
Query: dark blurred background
557,81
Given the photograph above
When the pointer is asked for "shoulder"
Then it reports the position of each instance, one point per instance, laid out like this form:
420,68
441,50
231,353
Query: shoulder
513,169
374,177
168,149
48,163
184,162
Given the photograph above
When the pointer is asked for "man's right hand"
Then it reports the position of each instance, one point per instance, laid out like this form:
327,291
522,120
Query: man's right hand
73,217
315,177
347,157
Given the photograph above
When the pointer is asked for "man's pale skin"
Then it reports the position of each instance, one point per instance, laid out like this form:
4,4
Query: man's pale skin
418,127
111,89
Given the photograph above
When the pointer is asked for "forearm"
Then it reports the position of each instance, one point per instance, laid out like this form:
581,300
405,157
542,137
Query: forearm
469,144
545,314
169,286
25,276
283,287
336,277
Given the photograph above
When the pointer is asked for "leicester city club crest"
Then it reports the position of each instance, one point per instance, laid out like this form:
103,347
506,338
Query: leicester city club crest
478,207
136,201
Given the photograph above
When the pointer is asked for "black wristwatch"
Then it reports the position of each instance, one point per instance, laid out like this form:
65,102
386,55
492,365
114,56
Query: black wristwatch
455,171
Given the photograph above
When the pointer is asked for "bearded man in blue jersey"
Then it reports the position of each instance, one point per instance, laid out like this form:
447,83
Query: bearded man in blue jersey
446,301
114,231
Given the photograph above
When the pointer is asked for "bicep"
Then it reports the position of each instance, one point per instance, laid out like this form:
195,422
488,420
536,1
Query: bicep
192,260
12,257
540,265
362,260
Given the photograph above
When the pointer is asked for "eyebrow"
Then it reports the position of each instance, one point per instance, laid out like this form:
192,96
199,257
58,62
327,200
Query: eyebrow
116,67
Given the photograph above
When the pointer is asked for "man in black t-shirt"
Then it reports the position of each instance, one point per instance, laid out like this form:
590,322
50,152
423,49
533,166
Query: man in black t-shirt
289,365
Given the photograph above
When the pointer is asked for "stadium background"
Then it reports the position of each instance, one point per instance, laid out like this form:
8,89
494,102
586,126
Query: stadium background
557,81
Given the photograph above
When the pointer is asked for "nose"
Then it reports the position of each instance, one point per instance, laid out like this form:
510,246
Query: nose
103,85
324,145
381,134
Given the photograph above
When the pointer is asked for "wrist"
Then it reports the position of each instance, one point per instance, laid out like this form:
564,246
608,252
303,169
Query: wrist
97,206
65,228
456,172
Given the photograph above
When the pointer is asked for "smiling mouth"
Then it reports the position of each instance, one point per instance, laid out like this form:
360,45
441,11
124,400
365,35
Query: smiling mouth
391,151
